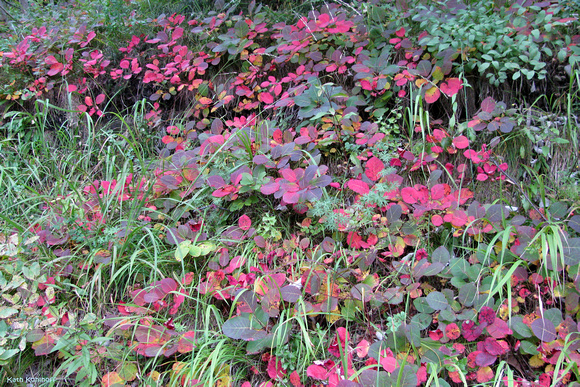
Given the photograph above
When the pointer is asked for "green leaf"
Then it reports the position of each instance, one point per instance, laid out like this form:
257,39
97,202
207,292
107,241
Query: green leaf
240,327
236,327
182,250
441,254
447,315
528,348
7,354
467,294
571,251
195,251
421,320
241,28
437,300
519,328
128,371
422,306
6,312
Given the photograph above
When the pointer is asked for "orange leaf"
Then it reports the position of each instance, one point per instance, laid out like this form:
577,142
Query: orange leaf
432,95
205,101
112,379
484,374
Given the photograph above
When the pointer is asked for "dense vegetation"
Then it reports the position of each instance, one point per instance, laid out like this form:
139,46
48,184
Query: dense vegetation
343,193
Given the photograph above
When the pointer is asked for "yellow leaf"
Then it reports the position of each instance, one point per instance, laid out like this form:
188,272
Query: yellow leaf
420,82
334,315
223,375
536,361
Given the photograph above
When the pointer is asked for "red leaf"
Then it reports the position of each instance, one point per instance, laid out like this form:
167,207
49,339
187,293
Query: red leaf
245,222
438,191
354,240
88,101
452,331
421,375
235,263
317,372
55,69
499,329
389,363
167,139
291,197
343,337
461,142
374,167
459,218
451,86
270,188
358,186
289,174
275,369
437,220
472,155
50,60
295,379
178,299
432,95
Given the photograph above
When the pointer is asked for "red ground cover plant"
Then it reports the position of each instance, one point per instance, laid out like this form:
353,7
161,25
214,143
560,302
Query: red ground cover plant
409,270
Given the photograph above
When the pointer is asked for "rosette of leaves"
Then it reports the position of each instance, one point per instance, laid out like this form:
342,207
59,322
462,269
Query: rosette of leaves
319,99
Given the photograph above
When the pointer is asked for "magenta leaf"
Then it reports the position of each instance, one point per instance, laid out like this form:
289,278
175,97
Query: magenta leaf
470,331
374,167
484,359
409,195
451,86
270,188
290,293
488,105
495,347
216,181
486,315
